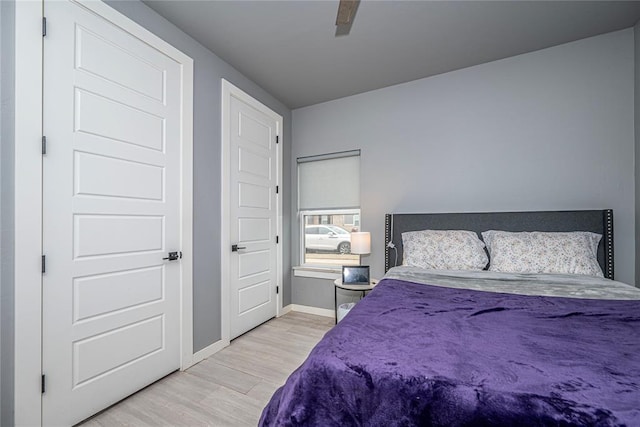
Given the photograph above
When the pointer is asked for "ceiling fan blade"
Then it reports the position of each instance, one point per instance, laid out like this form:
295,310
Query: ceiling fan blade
346,12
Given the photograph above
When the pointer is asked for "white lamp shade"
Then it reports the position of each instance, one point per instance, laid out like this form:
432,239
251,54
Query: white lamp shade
360,242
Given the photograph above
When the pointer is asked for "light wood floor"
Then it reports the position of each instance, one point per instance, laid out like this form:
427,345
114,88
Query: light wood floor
228,389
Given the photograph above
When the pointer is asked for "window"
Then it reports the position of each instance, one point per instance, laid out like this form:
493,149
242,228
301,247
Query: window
327,244
329,208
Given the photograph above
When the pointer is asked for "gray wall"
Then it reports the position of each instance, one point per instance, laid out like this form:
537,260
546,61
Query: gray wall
7,103
548,130
209,70
636,32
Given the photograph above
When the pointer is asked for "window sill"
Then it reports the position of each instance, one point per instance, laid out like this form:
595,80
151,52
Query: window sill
317,272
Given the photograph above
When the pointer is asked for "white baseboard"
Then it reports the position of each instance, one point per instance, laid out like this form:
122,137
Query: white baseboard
208,351
284,310
326,312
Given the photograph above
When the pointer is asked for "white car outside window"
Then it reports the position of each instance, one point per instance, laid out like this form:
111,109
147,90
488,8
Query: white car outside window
327,238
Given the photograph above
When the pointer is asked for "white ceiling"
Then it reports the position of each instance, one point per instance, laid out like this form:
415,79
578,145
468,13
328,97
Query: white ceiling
289,47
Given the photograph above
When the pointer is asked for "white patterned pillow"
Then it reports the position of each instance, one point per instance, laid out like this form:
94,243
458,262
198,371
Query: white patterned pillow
538,252
444,250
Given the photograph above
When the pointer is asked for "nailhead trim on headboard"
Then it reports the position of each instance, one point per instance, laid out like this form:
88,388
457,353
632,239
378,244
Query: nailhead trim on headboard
608,243
387,237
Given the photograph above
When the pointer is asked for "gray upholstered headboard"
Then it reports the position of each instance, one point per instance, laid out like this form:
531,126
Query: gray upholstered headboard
596,221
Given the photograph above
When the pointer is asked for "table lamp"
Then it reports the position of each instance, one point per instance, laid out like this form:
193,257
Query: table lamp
361,243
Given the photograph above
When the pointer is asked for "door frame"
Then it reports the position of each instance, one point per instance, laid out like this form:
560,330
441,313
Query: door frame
228,91
28,198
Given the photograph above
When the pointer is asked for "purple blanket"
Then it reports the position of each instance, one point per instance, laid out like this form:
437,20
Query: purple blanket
412,354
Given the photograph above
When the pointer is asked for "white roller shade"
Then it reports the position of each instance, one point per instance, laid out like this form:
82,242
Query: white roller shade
329,181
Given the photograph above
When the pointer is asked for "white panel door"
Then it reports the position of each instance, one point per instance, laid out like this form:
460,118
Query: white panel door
111,208
254,215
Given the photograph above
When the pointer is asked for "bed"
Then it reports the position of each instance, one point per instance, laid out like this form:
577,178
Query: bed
467,348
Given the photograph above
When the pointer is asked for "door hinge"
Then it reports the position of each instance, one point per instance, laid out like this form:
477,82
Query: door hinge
277,289
44,26
42,384
44,264
44,144
277,139
277,239
277,189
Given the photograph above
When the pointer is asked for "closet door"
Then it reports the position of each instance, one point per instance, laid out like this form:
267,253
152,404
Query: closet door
111,208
